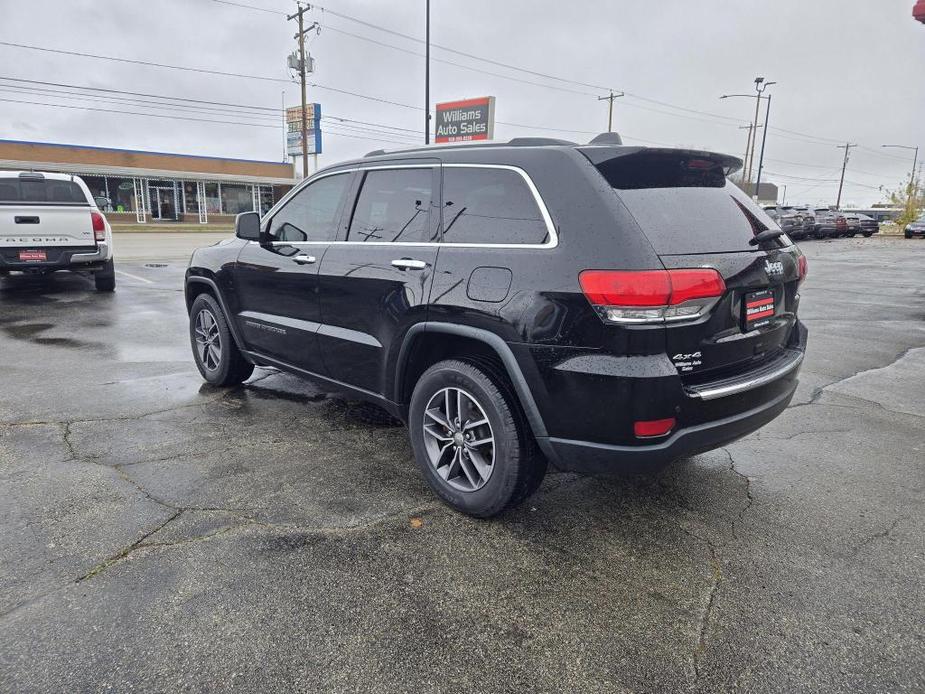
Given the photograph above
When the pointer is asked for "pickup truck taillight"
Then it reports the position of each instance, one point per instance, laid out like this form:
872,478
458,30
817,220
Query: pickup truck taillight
651,296
99,226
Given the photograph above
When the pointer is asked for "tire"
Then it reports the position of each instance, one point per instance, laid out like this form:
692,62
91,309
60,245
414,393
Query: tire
868,234
214,350
850,236
511,468
105,279
908,235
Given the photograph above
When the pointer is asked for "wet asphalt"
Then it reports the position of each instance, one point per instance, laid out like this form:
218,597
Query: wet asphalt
157,534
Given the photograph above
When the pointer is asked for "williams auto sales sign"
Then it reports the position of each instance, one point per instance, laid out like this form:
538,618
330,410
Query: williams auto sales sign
470,119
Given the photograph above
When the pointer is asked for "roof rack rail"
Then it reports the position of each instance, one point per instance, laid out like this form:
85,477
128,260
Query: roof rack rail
538,141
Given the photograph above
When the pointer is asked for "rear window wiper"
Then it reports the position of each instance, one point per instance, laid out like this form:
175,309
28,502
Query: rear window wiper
766,235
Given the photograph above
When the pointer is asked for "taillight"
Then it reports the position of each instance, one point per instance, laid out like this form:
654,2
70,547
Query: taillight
652,296
653,427
803,267
99,226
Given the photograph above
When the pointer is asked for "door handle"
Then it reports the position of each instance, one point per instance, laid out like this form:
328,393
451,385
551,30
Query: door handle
304,259
408,264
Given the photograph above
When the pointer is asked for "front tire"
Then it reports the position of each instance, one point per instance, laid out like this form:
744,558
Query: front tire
471,440
217,356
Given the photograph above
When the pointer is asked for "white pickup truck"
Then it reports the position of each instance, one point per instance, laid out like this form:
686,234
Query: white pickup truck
50,222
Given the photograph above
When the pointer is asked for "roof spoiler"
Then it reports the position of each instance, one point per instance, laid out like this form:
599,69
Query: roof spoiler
598,155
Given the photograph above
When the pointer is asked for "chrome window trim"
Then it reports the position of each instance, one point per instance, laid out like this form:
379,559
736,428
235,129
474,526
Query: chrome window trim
551,242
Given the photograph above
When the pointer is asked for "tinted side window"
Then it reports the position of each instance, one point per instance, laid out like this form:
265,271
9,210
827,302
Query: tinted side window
393,205
482,205
311,214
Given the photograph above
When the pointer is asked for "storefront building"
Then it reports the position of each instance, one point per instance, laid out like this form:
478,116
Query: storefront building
152,187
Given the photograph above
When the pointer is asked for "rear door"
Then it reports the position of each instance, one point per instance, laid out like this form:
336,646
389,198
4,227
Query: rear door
695,218
42,213
376,282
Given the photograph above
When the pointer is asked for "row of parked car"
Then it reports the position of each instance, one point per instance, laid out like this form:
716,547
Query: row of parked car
803,222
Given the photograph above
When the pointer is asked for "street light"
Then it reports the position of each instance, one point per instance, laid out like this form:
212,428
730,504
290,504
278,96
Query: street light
760,86
912,189
915,159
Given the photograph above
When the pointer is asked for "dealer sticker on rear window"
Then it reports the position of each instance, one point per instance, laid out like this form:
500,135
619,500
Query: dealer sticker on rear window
759,309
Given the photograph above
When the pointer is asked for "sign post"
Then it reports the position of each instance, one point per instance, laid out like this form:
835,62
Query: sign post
469,119
294,130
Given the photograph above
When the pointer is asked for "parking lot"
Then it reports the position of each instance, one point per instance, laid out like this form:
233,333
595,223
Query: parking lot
159,534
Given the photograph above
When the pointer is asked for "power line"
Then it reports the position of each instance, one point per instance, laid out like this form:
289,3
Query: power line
135,113
206,71
101,98
455,64
156,96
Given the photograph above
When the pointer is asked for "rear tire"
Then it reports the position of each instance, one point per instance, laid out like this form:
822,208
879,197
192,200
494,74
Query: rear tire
868,234
479,479
217,356
105,279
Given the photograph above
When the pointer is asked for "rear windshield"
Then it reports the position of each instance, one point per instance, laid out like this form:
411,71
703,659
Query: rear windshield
685,204
41,190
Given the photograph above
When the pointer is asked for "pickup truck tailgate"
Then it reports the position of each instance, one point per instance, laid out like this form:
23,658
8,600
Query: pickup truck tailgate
44,225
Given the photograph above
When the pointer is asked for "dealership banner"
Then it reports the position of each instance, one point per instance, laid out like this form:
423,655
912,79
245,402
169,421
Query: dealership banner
294,129
469,119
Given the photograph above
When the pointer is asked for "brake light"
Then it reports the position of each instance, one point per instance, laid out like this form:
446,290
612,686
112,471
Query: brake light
99,226
652,296
803,265
653,427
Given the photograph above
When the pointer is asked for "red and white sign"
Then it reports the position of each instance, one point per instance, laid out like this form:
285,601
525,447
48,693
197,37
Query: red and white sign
469,119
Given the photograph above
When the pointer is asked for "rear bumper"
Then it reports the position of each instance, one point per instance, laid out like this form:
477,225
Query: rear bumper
595,458
600,438
59,258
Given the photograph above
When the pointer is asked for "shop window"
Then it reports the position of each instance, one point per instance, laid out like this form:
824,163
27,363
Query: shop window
236,198
121,194
190,198
266,199
213,204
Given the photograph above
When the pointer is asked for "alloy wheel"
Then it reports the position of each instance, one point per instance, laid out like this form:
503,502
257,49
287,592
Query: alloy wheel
459,440
208,340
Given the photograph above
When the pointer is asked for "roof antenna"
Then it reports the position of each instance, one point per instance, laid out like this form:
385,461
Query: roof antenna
610,138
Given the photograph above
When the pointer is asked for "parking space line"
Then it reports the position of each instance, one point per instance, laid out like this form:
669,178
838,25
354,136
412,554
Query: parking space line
134,277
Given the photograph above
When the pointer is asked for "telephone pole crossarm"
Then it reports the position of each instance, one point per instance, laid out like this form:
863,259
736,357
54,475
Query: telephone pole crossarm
610,98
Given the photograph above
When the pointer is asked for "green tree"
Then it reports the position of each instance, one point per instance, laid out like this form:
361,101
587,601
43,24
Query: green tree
910,196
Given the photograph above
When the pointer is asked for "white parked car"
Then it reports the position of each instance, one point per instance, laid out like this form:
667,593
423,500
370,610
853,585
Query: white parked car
49,222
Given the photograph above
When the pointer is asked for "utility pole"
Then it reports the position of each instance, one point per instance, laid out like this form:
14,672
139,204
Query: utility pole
847,147
748,145
783,200
764,138
749,162
300,36
610,108
427,72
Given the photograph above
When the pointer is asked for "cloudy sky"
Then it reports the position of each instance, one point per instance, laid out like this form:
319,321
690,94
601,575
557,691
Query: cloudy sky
847,70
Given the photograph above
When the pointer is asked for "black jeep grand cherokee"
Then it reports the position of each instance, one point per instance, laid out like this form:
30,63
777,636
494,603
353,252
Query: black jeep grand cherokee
598,307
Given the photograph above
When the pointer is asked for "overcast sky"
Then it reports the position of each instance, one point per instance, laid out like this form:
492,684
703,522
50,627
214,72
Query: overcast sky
847,70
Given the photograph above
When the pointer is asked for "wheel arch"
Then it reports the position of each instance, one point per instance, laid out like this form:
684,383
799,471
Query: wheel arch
489,342
196,285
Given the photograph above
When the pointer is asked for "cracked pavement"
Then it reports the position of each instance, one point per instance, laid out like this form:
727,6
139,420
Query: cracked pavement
159,534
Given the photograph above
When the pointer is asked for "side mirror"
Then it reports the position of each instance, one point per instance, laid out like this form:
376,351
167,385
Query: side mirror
247,226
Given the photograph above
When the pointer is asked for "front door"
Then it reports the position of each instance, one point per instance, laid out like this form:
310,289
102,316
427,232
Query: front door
277,283
377,284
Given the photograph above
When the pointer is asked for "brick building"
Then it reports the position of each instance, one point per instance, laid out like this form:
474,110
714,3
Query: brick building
155,187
